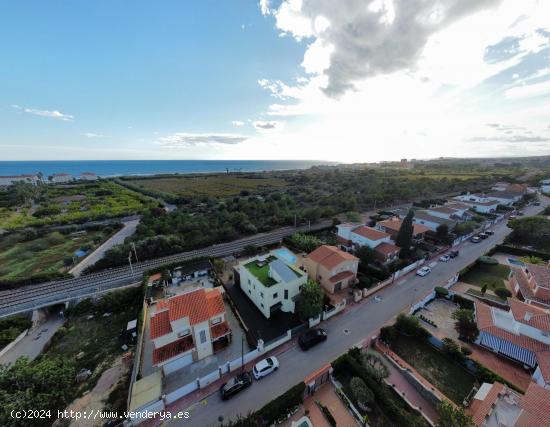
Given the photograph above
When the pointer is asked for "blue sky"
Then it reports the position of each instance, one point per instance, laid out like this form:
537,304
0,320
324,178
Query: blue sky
354,80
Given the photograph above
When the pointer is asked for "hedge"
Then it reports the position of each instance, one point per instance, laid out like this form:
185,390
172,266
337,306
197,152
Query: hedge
512,250
463,302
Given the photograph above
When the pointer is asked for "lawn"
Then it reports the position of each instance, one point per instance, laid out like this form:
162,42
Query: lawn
209,185
261,273
75,203
450,378
492,275
21,258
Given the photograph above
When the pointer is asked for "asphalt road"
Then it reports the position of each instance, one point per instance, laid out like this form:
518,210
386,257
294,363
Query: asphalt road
358,323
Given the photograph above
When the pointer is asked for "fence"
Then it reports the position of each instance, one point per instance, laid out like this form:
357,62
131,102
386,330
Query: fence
325,315
137,357
181,392
431,296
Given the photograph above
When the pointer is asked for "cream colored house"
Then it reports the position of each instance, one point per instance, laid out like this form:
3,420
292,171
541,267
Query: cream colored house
333,268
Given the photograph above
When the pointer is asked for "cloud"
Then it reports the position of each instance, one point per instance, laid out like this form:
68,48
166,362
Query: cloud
54,114
93,135
511,138
238,123
382,38
181,139
528,90
265,125
265,7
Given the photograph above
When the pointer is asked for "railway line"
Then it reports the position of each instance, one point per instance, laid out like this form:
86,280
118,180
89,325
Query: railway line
55,292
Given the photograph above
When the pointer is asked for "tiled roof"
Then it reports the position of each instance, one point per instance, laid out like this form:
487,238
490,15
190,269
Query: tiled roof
458,205
541,273
171,350
443,209
330,256
160,324
427,217
543,360
386,248
395,225
198,305
154,277
370,233
481,408
484,318
530,315
536,407
220,330
341,276
524,287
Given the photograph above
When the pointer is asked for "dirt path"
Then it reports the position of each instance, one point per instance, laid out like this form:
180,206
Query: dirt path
94,400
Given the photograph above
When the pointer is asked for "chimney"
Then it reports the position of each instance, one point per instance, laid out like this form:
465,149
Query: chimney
528,315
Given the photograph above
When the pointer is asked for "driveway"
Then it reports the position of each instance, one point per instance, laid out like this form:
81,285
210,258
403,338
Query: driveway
129,228
32,345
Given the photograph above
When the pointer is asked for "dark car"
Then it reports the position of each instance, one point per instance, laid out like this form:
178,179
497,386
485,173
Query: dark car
312,337
235,385
483,235
453,254
489,233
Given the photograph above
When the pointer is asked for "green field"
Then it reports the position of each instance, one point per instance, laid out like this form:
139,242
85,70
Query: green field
72,203
209,185
492,275
20,258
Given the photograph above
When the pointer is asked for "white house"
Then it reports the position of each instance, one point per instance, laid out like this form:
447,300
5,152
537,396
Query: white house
88,176
545,186
188,327
368,236
270,282
57,178
6,181
431,221
505,198
479,203
444,212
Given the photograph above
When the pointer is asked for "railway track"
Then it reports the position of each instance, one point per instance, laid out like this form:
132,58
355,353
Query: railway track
49,293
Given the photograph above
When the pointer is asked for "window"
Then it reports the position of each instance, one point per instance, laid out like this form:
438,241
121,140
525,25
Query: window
262,294
249,281
275,295
286,293
202,336
250,292
216,320
262,304
183,333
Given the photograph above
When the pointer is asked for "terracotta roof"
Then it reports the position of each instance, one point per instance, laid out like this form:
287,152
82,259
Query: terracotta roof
154,277
330,256
543,360
198,305
443,209
386,248
341,276
525,288
536,407
160,324
530,315
370,233
171,350
479,409
219,330
541,273
484,318
395,225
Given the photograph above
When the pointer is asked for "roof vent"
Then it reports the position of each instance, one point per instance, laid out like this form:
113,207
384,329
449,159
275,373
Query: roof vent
527,316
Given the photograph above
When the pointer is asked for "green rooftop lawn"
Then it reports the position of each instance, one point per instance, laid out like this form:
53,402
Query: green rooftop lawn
261,273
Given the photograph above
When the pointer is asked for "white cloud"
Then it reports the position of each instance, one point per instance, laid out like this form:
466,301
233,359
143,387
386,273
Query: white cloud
265,7
529,91
263,125
93,135
181,139
54,114
238,123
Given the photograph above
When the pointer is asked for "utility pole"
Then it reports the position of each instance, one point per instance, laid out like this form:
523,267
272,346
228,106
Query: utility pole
130,261
135,252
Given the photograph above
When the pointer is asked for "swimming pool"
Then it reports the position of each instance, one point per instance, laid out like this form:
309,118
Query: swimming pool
513,261
285,255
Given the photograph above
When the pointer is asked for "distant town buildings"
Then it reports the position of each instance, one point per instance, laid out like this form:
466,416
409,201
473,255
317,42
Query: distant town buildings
88,176
6,181
58,178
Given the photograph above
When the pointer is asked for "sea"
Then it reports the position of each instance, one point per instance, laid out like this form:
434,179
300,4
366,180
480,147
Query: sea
110,168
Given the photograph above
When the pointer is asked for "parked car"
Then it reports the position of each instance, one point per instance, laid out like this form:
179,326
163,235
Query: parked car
454,254
489,232
483,235
475,239
537,203
424,271
265,367
444,258
312,337
235,385
513,216
520,213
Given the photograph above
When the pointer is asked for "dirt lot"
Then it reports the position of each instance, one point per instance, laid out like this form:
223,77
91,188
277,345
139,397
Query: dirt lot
439,311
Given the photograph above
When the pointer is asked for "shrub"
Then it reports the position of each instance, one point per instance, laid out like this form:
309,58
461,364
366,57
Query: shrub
441,292
452,349
463,302
282,404
388,334
409,325
503,293
465,350
362,394
488,260
328,415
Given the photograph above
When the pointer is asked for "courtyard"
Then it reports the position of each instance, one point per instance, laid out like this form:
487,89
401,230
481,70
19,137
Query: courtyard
439,311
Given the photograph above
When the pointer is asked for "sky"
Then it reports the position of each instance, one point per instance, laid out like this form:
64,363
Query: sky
346,80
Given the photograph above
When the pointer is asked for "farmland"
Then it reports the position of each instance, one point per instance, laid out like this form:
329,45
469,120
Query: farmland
209,185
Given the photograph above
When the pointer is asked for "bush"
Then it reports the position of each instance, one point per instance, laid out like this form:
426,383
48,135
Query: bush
463,302
328,415
465,350
503,293
488,260
441,292
452,349
388,334
362,394
409,325
282,404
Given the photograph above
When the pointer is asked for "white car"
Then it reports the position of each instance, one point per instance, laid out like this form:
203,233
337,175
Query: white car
265,367
444,258
424,271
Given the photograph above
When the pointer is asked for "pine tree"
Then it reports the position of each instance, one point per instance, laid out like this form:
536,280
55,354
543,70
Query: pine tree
405,234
